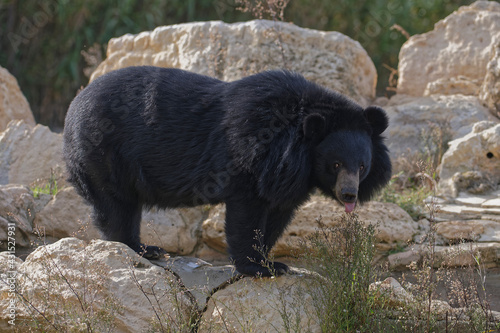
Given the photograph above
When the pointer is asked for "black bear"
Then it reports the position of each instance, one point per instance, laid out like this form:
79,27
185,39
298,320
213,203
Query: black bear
145,136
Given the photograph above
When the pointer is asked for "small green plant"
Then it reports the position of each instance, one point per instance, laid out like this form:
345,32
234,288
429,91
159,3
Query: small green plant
410,196
46,189
343,255
45,185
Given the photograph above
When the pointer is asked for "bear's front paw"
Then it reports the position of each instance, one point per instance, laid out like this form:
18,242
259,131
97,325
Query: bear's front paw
258,270
151,252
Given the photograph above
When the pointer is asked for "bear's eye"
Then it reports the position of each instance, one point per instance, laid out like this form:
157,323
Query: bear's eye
362,167
336,165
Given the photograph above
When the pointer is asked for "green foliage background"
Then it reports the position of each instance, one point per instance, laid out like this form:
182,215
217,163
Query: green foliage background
41,40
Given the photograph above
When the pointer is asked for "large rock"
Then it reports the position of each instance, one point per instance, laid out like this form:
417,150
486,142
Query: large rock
417,124
232,51
13,104
66,215
101,286
17,209
213,230
392,292
490,90
176,230
472,163
281,304
28,154
395,226
453,57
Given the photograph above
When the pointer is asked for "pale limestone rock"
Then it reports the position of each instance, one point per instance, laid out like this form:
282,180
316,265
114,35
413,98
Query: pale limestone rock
456,231
67,214
260,305
395,226
457,212
394,295
463,254
175,230
206,252
453,86
13,104
459,46
472,163
29,154
441,309
401,260
5,265
490,90
213,233
232,51
470,200
472,230
17,206
491,217
108,278
415,123
491,203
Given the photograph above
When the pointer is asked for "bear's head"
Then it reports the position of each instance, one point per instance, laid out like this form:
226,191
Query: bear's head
350,162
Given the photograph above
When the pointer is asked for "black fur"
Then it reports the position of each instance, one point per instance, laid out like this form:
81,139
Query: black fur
145,136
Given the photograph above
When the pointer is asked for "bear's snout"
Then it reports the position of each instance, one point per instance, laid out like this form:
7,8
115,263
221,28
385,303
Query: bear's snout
346,189
349,194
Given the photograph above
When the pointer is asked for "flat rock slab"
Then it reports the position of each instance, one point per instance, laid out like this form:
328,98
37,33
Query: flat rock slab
462,212
486,201
495,218
475,230
493,203
470,200
449,256
198,276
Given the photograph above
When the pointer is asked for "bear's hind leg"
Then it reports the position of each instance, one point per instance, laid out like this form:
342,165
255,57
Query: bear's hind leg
121,222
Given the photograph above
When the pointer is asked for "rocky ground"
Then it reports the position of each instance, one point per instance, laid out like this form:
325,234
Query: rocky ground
448,92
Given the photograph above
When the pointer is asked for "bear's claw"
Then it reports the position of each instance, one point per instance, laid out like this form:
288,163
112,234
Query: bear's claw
151,252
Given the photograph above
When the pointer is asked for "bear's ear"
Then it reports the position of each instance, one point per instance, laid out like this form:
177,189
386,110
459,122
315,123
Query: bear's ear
314,127
377,119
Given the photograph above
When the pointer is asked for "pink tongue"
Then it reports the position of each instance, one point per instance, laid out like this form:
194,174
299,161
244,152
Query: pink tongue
349,207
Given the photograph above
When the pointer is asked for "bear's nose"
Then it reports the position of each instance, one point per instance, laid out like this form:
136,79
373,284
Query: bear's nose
349,194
